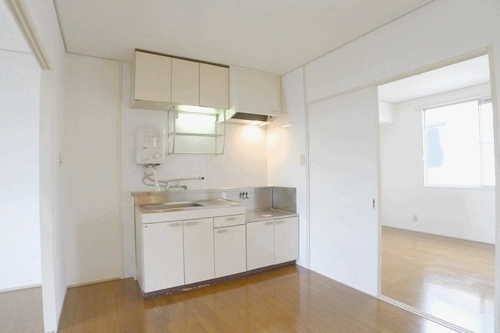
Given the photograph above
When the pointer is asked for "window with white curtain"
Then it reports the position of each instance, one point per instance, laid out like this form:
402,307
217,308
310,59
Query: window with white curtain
458,145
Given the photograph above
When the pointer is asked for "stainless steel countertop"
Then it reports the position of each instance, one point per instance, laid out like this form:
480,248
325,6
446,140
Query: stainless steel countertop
266,214
210,208
217,203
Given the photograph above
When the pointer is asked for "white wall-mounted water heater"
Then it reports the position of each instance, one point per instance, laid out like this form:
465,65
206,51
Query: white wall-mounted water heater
150,146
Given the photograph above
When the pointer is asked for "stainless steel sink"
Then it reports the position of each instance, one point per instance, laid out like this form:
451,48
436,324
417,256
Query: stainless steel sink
171,205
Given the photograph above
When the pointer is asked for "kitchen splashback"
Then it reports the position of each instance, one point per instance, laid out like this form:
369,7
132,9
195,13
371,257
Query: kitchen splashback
254,198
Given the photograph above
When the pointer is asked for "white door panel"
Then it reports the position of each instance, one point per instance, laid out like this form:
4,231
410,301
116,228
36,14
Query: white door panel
343,174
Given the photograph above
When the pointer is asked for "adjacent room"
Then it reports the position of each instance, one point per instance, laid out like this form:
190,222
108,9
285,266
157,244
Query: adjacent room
438,193
20,252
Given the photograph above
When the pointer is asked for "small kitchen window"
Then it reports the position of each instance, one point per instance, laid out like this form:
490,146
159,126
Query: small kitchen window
459,145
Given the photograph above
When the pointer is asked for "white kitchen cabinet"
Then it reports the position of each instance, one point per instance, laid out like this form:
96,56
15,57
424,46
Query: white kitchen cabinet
254,91
214,86
272,242
230,250
185,82
286,240
159,82
162,256
198,250
260,244
151,80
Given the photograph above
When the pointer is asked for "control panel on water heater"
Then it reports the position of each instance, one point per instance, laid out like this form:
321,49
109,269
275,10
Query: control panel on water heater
150,146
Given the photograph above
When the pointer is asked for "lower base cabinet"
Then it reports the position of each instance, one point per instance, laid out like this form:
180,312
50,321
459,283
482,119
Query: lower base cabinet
286,240
198,250
272,242
177,253
260,244
230,250
163,259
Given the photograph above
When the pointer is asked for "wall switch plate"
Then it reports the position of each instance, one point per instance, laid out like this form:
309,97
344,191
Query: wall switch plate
302,159
415,218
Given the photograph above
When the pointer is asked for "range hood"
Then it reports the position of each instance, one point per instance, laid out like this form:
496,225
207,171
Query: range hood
248,118
254,96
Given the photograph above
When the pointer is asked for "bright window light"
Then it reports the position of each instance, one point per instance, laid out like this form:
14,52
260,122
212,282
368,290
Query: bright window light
458,141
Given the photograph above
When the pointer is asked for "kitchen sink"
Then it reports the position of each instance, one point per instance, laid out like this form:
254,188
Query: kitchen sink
171,205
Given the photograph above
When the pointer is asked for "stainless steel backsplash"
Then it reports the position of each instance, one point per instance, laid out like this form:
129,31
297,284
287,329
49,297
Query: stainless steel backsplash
254,198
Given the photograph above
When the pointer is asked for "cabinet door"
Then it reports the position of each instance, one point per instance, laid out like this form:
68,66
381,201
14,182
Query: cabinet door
185,82
260,244
152,77
198,250
214,86
230,250
163,257
286,240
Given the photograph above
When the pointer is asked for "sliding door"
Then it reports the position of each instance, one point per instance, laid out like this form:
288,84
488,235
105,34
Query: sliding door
343,175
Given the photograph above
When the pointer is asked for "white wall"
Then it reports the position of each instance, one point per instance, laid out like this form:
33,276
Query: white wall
430,35
20,253
438,31
244,163
285,145
386,112
90,159
461,213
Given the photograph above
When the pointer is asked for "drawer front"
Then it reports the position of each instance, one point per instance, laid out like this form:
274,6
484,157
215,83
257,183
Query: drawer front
227,221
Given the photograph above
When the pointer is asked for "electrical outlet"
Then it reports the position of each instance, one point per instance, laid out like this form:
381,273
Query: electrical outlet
415,218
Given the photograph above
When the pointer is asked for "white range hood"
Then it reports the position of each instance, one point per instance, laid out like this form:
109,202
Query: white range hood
254,96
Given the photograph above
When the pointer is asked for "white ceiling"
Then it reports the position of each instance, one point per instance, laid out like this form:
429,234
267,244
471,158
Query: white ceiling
276,36
11,38
457,76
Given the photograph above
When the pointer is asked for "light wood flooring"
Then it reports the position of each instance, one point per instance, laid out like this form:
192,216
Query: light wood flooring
21,311
448,278
288,299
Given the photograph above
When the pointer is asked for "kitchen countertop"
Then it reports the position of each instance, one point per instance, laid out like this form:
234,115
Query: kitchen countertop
266,214
202,205
209,208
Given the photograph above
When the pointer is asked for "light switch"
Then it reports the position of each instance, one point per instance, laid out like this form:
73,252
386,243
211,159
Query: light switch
302,159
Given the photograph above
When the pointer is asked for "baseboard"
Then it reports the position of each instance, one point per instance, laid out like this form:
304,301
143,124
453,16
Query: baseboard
21,287
93,282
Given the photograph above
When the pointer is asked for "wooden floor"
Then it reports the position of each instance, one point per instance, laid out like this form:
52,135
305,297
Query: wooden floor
448,278
288,299
21,311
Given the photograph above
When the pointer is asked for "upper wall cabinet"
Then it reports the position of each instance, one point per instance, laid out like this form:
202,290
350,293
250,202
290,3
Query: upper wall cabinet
214,86
254,91
159,81
185,82
151,83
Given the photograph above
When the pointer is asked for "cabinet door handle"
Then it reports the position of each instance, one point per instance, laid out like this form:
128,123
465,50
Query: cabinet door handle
178,224
230,218
191,223
221,231
270,222
279,222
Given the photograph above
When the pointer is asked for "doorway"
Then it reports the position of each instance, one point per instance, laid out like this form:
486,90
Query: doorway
20,249
437,197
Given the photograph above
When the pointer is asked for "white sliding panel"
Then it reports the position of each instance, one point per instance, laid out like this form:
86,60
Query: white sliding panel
343,174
